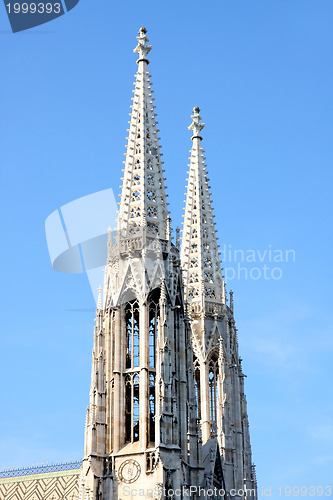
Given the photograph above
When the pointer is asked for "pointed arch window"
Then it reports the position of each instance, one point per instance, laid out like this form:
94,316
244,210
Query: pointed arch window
153,327
132,319
132,402
150,180
212,380
196,366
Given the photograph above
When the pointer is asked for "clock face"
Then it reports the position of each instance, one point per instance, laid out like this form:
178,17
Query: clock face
129,471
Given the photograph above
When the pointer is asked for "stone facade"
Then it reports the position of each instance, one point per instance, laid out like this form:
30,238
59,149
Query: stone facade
167,406
167,415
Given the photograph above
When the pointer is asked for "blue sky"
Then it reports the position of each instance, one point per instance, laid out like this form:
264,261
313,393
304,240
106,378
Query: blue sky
261,72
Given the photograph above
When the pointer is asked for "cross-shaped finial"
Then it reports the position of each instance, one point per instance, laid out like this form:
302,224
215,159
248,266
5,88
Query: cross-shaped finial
142,48
196,126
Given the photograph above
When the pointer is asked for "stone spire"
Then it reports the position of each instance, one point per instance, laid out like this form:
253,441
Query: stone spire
199,251
143,199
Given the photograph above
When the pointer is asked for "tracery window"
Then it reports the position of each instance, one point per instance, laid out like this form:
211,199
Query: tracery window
153,327
213,376
136,179
132,318
152,212
193,292
208,277
152,228
135,196
210,293
135,212
150,180
132,401
151,195
149,164
207,262
153,318
194,278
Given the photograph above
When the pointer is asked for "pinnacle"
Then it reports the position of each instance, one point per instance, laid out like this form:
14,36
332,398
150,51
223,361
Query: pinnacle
199,252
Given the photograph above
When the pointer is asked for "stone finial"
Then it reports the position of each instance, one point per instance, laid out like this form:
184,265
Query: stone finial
196,126
231,301
168,228
224,295
178,238
142,48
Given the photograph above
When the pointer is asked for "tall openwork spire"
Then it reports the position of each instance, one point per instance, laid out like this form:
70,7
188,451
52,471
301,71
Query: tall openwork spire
199,251
143,198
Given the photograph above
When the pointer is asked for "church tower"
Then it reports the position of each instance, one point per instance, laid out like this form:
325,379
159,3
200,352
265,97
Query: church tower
167,411
141,425
219,379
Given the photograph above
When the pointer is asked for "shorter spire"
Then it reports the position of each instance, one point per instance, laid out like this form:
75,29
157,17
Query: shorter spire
142,48
196,126
199,252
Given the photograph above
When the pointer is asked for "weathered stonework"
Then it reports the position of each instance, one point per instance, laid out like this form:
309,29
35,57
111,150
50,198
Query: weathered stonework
167,410
167,406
